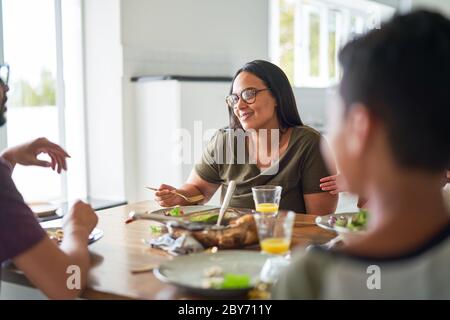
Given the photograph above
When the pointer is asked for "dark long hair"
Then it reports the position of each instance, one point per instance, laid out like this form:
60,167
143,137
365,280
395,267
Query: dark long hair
276,80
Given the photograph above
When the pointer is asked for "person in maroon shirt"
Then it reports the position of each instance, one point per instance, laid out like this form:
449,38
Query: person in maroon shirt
22,240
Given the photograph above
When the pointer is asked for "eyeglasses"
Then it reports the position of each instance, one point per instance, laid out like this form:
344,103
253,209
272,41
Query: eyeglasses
4,74
247,95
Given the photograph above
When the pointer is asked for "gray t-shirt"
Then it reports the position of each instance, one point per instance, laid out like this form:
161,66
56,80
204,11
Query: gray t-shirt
19,229
321,274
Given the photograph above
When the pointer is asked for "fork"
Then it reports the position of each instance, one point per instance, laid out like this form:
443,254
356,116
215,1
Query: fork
143,269
191,199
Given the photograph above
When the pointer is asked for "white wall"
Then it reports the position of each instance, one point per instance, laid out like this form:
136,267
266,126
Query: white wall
103,75
75,128
443,6
196,37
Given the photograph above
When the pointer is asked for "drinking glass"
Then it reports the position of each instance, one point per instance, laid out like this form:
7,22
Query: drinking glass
275,231
267,199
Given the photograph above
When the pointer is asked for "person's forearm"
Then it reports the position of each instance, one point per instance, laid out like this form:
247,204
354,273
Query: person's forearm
320,203
60,274
74,246
190,190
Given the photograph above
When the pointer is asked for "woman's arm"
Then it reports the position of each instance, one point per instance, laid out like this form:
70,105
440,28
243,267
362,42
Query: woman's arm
207,189
193,186
321,203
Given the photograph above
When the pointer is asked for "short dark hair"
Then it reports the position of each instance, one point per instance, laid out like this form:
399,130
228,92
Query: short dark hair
278,83
401,72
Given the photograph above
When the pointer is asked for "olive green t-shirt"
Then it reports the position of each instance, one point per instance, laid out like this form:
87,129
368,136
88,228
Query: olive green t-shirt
298,170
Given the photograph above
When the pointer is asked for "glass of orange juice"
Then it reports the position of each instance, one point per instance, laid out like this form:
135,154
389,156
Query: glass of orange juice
275,231
267,199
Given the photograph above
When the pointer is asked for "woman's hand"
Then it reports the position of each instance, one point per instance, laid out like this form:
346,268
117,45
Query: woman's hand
333,184
166,198
26,154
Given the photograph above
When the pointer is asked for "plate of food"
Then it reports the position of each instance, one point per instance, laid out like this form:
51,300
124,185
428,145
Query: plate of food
43,209
185,211
238,228
345,223
195,214
57,234
230,273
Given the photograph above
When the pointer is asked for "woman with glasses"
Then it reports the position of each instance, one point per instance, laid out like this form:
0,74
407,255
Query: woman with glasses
266,143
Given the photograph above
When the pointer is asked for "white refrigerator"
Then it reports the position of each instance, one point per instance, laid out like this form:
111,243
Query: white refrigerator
175,118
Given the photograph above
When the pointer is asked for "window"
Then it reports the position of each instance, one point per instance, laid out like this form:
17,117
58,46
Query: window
30,49
33,47
306,35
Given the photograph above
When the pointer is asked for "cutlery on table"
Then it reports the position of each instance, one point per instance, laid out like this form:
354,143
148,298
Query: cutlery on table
143,269
226,201
191,199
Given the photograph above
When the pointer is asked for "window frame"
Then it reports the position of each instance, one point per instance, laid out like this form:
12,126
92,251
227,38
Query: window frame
303,8
3,130
68,189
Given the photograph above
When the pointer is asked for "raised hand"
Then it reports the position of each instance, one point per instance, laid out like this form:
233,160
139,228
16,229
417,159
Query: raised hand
27,154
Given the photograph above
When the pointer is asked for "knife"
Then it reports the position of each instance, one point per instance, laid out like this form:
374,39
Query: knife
226,201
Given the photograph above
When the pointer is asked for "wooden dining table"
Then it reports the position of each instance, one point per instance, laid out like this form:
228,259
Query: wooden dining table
122,249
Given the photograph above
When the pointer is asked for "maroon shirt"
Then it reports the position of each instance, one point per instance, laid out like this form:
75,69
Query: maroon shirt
19,229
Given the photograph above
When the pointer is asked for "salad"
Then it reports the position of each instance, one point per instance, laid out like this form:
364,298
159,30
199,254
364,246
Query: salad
216,278
357,222
56,234
174,212
209,217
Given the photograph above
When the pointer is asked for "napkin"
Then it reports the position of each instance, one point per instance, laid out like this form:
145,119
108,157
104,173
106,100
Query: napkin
184,244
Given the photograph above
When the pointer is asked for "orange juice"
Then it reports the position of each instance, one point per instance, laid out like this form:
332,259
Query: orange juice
267,208
275,245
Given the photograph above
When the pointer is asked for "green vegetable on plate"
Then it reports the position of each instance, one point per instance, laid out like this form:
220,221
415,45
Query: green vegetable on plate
156,229
234,281
176,212
206,217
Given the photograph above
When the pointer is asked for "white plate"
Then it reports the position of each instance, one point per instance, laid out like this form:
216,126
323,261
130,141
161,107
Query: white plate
95,235
322,221
43,209
187,210
187,272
